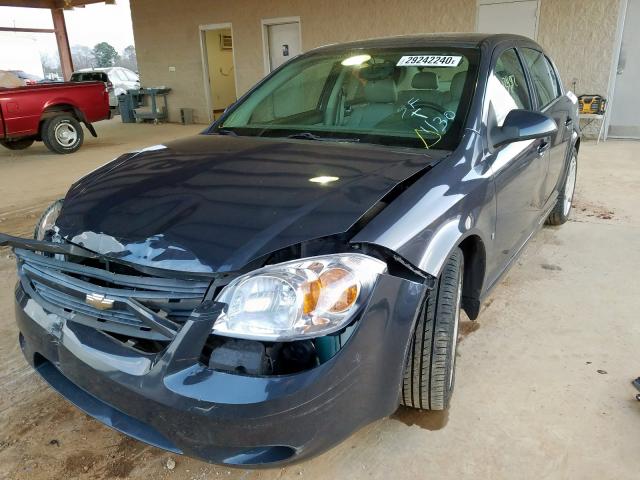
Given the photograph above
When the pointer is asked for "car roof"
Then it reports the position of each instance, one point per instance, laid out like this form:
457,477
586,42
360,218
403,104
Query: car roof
468,40
98,69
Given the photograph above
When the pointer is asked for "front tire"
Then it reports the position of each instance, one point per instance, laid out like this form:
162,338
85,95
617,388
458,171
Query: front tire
19,144
62,134
430,367
562,209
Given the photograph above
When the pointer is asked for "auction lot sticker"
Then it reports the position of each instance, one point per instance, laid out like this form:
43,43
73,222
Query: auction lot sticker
429,61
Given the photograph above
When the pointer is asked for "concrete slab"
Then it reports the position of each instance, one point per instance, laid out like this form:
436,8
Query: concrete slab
543,380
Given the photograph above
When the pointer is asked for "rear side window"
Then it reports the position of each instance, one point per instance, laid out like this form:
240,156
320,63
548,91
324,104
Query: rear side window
507,87
543,76
557,85
89,77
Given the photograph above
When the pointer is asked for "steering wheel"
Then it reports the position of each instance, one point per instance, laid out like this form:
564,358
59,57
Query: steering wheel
431,105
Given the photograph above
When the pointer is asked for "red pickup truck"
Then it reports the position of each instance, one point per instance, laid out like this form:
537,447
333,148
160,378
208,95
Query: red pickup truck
51,113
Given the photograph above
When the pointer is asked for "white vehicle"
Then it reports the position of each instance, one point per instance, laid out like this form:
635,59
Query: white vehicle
118,80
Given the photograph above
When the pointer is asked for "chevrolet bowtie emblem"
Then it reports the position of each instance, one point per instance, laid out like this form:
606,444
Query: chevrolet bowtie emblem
98,301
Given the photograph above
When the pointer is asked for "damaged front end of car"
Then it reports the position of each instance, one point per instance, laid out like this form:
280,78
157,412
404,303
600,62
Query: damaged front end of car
269,364
174,301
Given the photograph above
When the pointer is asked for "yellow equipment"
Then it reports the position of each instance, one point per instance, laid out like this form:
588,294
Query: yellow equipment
593,104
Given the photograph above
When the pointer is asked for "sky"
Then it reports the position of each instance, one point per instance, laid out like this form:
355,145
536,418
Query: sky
85,26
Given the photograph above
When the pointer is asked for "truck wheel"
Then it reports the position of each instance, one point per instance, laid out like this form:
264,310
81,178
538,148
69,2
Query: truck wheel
430,367
19,144
62,134
562,209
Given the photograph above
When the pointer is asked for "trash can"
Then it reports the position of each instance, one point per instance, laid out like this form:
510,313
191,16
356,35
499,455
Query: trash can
186,116
126,106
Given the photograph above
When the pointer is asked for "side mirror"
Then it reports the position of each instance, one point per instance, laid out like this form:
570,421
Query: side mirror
522,125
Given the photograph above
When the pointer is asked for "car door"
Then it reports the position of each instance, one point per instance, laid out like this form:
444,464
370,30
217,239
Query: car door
519,168
550,101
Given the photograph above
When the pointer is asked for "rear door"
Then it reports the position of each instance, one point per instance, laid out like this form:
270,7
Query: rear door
550,101
519,168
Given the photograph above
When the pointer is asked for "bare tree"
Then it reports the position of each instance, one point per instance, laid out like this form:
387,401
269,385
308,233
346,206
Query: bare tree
50,66
82,57
128,58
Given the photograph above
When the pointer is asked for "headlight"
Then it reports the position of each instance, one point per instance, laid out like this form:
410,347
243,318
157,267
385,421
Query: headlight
47,220
299,299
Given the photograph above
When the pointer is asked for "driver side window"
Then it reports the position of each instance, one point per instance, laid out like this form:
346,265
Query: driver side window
297,95
507,87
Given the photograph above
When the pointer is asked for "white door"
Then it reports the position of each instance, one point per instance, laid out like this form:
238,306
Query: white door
284,43
625,120
519,17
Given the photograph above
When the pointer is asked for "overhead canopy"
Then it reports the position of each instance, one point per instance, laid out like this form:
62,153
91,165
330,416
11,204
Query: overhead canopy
51,4
59,26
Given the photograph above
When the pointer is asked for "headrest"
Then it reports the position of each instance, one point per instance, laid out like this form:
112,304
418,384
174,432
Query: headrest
381,91
457,84
425,81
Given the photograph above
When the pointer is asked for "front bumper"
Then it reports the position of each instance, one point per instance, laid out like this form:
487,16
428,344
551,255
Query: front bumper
172,401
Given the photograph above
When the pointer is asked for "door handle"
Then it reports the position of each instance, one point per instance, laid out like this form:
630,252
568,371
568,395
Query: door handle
568,122
543,147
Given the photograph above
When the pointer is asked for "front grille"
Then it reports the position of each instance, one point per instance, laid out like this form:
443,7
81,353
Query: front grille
62,287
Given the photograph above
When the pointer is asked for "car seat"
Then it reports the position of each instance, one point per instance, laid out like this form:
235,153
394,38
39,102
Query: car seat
380,98
455,91
425,85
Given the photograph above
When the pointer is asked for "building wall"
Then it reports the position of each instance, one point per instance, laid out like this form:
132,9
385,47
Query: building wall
166,34
580,37
578,34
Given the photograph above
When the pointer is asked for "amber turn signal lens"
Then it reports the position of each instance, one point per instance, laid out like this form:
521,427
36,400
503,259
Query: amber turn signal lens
311,296
342,286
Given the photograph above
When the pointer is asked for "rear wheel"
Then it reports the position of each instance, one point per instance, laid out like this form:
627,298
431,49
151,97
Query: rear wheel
562,209
430,367
19,144
62,134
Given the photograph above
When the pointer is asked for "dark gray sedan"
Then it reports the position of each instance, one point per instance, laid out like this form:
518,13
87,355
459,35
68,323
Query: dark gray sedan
253,295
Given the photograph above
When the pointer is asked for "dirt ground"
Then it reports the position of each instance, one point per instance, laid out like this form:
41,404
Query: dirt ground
543,379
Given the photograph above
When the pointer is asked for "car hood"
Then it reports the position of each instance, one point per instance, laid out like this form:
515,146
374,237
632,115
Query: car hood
213,203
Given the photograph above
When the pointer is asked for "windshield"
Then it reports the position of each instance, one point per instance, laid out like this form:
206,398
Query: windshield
412,98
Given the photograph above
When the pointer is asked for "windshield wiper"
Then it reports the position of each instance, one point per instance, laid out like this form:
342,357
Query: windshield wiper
224,131
312,136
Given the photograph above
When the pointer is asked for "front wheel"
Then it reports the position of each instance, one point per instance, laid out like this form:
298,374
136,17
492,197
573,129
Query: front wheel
430,367
19,144
62,134
562,209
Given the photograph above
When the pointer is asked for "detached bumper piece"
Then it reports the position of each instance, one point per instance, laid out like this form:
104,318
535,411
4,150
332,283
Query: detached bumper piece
138,365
